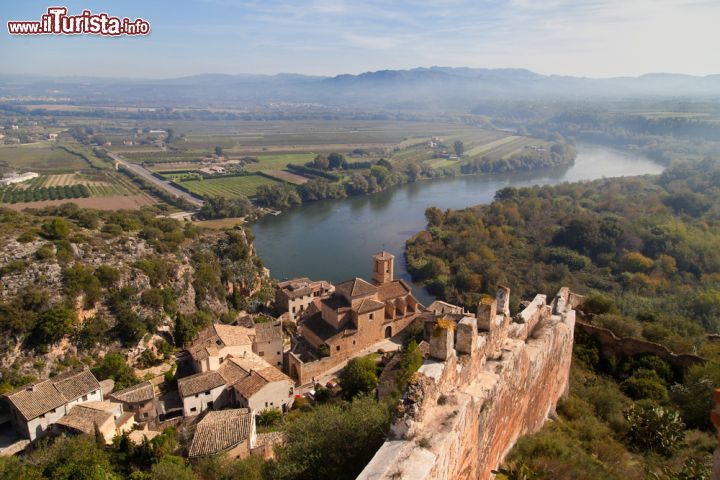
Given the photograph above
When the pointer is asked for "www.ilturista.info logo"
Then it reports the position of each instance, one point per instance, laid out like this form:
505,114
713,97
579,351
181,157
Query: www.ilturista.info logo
57,22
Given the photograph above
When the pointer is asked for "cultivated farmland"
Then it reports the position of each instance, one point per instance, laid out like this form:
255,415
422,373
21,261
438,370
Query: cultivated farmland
228,187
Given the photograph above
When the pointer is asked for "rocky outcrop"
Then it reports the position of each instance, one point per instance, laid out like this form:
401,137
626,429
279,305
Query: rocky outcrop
461,415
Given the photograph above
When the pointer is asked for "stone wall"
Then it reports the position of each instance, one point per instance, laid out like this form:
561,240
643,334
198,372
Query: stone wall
462,415
613,346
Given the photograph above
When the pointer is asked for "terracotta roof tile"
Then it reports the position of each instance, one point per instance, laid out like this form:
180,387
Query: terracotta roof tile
250,385
46,395
142,392
391,290
83,419
220,431
355,288
369,305
200,382
268,332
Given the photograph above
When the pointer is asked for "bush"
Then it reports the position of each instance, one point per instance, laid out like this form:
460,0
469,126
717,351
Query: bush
640,387
652,428
269,417
695,396
359,376
332,441
56,229
599,304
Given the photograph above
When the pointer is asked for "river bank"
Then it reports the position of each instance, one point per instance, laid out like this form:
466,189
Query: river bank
334,239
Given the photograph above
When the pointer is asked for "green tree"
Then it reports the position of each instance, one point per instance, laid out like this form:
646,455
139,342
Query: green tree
52,325
336,160
312,452
459,148
359,376
172,467
115,367
218,151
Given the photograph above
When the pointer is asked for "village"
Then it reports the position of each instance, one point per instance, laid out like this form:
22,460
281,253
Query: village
230,374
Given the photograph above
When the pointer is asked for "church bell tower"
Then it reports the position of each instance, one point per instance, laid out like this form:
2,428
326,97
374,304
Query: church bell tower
383,264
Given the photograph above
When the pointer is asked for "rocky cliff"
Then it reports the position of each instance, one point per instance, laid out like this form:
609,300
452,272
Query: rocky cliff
469,404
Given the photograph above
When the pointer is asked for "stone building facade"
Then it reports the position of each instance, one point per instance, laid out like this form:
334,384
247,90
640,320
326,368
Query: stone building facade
294,296
357,315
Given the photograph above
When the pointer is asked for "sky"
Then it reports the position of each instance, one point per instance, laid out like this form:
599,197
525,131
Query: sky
594,38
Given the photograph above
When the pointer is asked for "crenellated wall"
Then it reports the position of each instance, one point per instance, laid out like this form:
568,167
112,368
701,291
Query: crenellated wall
462,415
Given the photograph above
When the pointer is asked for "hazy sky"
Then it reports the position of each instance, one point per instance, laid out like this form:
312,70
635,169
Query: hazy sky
597,38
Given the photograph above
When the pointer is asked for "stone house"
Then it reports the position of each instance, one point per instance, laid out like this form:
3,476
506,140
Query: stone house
231,432
107,418
268,342
37,406
259,386
247,381
294,296
202,391
217,342
139,399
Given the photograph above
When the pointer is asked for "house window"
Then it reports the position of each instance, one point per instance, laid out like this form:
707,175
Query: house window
262,354
207,393
145,415
371,316
197,395
84,397
337,349
193,409
278,353
42,416
266,404
293,309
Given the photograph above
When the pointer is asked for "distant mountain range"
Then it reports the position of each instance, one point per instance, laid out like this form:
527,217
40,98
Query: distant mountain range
442,87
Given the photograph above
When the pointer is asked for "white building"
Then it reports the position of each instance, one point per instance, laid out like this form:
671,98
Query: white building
37,406
246,381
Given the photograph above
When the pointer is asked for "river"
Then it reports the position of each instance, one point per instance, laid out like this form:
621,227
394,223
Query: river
334,239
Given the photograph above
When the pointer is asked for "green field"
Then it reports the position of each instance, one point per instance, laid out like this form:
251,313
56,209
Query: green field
278,162
40,156
442,163
228,187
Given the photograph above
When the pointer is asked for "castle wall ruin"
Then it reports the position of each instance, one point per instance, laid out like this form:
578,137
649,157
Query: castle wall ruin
466,407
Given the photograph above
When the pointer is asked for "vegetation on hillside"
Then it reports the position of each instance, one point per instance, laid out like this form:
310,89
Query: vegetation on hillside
646,252
109,280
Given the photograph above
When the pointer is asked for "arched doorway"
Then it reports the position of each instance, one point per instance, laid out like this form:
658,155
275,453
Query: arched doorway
388,331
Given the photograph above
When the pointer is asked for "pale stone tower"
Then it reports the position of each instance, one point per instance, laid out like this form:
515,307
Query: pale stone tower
383,265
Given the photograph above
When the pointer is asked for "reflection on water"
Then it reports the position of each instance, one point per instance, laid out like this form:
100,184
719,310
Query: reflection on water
334,240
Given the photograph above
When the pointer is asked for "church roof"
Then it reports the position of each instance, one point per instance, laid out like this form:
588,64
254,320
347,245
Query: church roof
355,288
